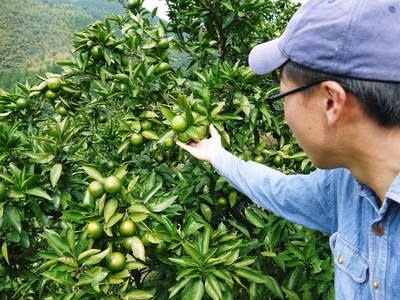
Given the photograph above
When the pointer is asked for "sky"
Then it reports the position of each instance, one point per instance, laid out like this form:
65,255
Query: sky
162,7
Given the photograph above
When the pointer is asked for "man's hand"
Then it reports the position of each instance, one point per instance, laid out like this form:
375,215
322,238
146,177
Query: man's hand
206,149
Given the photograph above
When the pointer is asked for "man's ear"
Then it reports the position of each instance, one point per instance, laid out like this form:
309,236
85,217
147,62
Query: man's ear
334,101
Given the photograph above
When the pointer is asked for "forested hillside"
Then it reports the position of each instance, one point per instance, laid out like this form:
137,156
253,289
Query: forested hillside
36,33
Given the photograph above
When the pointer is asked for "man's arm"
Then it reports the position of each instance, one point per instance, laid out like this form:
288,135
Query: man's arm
306,200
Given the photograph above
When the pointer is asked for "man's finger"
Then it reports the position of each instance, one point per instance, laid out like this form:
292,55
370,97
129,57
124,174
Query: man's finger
213,131
184,146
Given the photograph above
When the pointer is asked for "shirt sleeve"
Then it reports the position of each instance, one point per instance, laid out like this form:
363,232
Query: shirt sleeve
307,200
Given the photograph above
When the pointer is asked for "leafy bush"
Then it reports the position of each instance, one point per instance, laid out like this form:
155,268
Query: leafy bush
96,201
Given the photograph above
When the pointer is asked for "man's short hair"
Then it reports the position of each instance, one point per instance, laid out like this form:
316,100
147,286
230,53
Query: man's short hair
379,99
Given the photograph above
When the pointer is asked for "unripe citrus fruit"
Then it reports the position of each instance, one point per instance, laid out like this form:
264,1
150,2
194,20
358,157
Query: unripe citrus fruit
136,139
133,4
22,103
162,67
184,137
201,131
110,164
112,185
53,84
169,142
127,227
146,124
116,261
163,44
277,161
102,118
95,229
179,123
50,95
259,159
96,189
96,52
222,201
62,110
89,44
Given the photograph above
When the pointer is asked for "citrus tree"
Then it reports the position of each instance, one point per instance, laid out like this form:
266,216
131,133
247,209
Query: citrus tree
96,201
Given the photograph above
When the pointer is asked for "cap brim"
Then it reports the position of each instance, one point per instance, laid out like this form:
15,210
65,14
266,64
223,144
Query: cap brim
267,57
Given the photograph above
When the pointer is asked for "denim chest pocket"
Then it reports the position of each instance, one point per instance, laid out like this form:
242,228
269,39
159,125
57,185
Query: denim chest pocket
348,258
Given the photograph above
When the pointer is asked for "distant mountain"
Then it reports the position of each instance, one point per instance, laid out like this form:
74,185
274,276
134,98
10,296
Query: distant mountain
97,9
36,33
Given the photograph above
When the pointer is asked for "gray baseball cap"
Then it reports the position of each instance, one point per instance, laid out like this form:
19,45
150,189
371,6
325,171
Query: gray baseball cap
353,38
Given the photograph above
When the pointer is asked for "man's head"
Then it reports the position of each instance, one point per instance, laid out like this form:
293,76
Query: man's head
330,117
351,44
379,100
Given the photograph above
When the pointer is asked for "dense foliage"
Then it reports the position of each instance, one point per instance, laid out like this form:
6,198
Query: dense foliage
96,201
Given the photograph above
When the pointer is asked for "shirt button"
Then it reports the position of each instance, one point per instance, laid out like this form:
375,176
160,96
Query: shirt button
375,284
341,260
378,229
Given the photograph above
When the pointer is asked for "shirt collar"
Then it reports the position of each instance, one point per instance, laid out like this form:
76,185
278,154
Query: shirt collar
394,190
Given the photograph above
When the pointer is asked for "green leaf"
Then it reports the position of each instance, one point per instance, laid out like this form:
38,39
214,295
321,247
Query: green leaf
68,261
177,287
138,216
196,291
273,286
244,262
251,275
253,218
55,174
161,203
114,220
292,295
213,288
95,259
4,251
167,113
121,172
194,254
110,208
88,253
60,277
228,5
224,275
38,192
136,207
55,241
92,172
228,20
206,211
183,261
205,238
139,294
41,158
13,217
240,227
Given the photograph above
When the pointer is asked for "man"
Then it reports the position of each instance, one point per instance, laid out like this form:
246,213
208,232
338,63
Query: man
340,77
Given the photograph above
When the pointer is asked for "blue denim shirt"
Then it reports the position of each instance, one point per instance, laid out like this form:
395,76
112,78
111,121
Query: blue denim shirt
365,237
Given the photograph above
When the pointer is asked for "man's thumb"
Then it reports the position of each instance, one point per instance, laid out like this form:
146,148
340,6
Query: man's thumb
213,131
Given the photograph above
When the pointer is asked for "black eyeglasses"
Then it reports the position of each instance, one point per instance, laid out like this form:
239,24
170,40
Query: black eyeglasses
277,105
